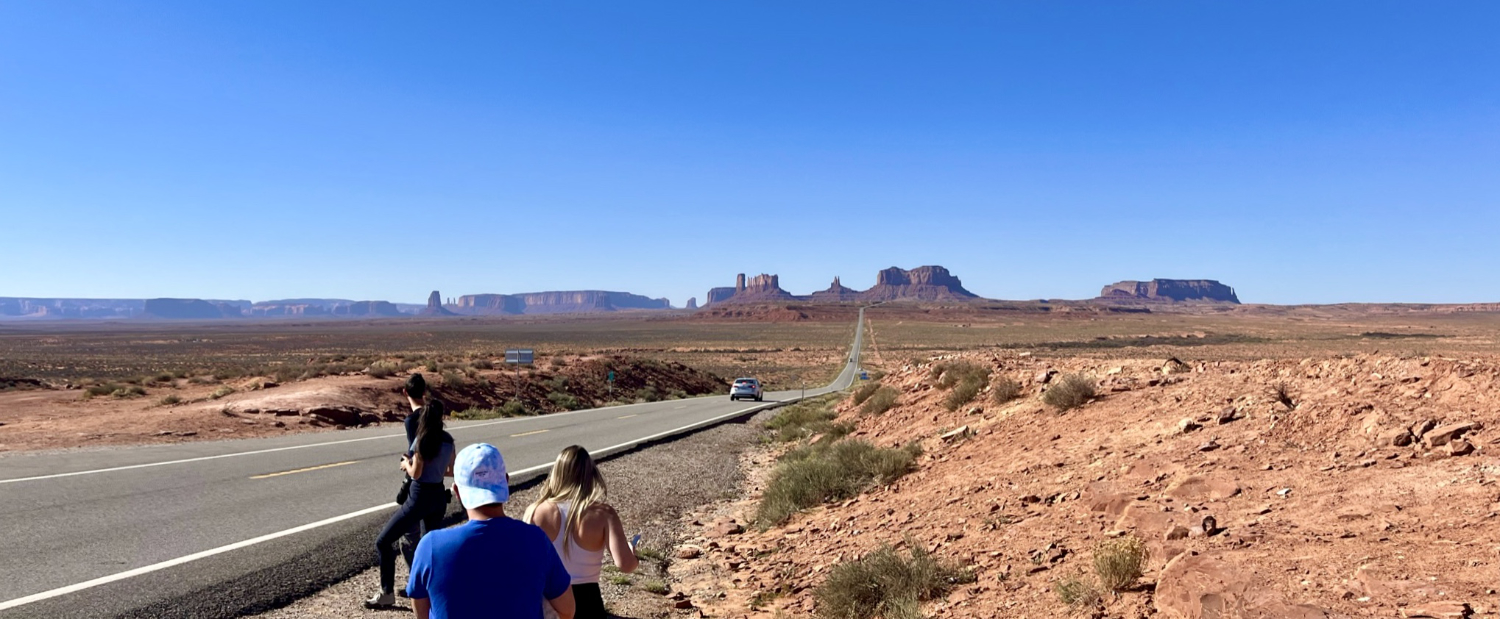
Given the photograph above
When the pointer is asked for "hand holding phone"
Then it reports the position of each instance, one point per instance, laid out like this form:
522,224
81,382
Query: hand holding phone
635,541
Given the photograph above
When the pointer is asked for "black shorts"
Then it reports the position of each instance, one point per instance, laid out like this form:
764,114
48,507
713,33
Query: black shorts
589,601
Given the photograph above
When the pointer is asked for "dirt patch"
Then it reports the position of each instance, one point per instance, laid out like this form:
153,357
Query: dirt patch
653,488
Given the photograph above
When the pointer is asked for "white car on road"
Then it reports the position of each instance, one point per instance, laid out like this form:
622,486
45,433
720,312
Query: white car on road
745,388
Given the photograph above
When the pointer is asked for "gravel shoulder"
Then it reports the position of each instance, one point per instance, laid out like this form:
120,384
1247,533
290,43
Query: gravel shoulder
653,487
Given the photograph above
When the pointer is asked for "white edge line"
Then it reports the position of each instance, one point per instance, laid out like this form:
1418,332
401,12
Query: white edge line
89,584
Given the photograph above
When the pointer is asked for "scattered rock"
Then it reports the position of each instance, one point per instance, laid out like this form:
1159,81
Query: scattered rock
955,434
1460,448
1439,610
689,552
1442,435
1188,424
1209,446
728,528
1045,376
1226,415
1399,437
1176,532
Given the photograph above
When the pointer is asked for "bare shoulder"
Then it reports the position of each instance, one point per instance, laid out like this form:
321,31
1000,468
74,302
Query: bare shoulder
601,511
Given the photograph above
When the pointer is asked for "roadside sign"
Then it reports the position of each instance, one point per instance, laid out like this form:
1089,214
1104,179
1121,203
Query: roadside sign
864,376
611,376
522,356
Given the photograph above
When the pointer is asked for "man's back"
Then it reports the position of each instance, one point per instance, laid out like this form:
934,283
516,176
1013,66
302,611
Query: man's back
498,567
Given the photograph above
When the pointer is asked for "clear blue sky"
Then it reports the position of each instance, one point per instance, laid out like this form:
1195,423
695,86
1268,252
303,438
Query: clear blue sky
1303,152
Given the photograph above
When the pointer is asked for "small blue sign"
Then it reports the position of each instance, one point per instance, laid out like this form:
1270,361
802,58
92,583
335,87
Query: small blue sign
864,376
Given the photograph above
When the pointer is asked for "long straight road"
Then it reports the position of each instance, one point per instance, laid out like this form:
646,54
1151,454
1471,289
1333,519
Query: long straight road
226,527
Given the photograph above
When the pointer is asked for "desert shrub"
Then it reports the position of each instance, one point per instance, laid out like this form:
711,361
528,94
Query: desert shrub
221,392
454,379
806,419
1005,390
677,394
885,583
881,401
1282,392
170,400
950,374
558,362
565,401
821,473
648,394
482,364
1118,563
164,377
512,408
962,394
556,383
1070,391
431,366
128,391
1078,591
865,391
94,391
379,370
654,585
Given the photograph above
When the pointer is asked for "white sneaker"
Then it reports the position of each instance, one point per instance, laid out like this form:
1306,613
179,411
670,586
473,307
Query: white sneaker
381,600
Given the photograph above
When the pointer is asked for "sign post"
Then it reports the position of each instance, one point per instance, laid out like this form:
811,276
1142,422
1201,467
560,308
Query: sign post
519,357
611,385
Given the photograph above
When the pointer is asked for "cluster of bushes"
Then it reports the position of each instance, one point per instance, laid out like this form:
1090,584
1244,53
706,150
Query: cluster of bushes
511,408
965,379
880,400
886,584
829,471
114,390
807,419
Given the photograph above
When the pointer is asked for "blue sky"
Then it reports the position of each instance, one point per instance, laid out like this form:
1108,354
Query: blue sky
1301,152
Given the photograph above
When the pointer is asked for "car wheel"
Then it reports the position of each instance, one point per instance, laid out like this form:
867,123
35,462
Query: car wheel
758,398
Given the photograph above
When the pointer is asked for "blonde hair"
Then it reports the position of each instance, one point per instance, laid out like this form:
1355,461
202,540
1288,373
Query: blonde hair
574,479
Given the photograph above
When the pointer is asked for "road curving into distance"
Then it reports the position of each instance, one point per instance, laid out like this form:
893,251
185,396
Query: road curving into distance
223,528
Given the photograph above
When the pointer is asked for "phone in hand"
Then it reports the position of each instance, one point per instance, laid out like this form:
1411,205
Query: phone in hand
635,541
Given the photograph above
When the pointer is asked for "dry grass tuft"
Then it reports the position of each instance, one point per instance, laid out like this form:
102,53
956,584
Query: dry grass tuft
1070,391
1005,390
881,401
886,584
1119,563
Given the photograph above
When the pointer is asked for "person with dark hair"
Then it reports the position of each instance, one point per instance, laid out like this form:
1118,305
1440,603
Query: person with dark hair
416,394
429,460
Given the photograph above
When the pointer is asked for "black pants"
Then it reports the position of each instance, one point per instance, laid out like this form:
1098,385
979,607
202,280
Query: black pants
425,506
589,602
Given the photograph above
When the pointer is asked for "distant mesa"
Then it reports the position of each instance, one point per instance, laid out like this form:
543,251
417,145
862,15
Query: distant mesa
191,309
49,309
1170,290
692,303
927,283
435,306
367,309
836,293
558,302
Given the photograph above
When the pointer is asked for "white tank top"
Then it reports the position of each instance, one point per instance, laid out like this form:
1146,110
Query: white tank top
582,564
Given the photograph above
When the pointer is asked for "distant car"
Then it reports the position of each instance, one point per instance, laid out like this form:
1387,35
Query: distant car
746,388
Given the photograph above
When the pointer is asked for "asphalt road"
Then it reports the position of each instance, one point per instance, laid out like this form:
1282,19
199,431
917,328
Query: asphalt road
222,528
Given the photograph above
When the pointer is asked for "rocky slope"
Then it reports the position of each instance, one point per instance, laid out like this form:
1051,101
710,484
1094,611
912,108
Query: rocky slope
1369,490
1170,290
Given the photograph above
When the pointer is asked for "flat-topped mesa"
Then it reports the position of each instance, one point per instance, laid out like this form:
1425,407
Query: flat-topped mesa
435,306
1170,290
692,303
762,287
836,293
557,302
191,309
367,308
926,283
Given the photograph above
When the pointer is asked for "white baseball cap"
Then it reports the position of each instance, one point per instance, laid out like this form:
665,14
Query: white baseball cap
480,476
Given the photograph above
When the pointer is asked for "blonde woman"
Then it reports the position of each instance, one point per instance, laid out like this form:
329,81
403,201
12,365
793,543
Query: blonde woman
572,511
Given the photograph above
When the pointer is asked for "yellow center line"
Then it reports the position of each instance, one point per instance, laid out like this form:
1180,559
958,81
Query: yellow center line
310,468
627,416
528,433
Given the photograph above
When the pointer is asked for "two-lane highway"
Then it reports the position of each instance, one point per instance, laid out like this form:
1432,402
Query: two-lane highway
225,527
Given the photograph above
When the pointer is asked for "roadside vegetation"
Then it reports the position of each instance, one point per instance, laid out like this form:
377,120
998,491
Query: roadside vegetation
1069,392
964,379
880,401
1118,565
809,418
887,584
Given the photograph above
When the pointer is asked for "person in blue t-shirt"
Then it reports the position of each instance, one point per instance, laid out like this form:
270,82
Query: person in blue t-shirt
492,565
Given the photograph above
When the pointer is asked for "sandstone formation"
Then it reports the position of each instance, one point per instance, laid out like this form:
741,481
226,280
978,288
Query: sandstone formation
719,295
435,306
762,287
190,309
927,283
287,309
367,309
560,302
836,293
692,303
19,307
1170,290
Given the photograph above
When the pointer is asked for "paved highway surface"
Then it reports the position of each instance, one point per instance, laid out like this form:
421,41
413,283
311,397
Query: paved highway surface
221,528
